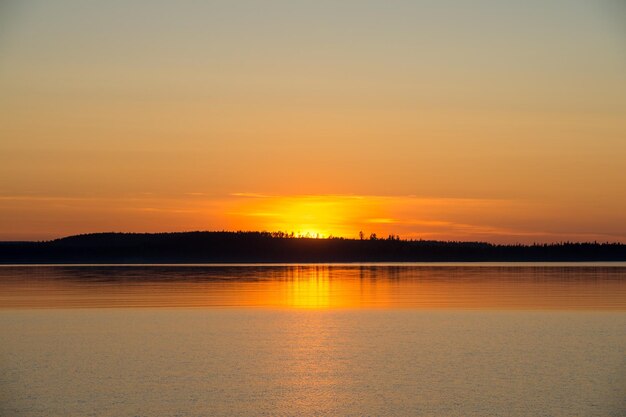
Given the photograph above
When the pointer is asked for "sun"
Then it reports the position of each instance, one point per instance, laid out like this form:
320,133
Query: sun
305,216
311,233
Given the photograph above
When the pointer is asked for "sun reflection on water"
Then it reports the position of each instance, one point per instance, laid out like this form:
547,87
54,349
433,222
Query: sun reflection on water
309,288
314,287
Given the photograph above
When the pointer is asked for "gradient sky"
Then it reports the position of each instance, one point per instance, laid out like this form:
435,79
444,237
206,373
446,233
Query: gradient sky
485,120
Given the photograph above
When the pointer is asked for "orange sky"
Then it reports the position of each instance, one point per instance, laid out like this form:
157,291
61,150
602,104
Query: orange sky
492,121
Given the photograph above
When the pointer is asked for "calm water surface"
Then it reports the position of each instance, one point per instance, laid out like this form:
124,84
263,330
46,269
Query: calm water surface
327,340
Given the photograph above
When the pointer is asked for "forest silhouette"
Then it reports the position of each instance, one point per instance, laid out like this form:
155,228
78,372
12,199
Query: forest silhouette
247,247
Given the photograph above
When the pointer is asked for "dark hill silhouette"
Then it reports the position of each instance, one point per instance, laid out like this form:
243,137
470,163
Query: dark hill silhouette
218,247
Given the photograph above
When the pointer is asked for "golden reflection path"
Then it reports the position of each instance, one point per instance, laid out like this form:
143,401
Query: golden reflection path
315,287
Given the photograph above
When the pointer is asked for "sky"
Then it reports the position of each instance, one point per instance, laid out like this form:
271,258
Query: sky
501,121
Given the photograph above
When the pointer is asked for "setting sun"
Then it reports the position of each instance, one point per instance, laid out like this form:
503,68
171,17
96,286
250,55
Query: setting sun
305,216
293,208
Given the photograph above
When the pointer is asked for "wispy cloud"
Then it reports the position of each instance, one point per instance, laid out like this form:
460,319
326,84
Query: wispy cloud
381,220
250,195
497,220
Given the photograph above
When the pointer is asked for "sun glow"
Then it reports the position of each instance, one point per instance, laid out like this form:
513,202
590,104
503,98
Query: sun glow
315,216
312,233
304,216
323,216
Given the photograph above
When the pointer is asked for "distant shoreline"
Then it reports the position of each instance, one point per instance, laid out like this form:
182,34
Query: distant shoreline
407,264
268,248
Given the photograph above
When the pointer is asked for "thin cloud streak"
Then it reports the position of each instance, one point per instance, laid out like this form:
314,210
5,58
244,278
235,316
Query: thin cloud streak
495,220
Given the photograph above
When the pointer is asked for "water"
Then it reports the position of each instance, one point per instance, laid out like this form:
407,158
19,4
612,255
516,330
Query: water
326,340
448,286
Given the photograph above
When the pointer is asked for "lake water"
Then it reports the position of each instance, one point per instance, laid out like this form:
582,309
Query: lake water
324,340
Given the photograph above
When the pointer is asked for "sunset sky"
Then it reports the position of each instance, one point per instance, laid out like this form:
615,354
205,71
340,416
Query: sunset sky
502,121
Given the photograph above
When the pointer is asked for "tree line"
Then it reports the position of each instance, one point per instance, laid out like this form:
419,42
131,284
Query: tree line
244,246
